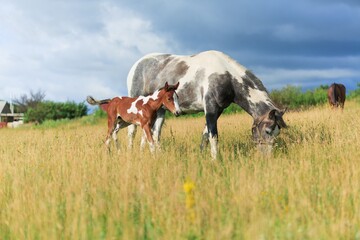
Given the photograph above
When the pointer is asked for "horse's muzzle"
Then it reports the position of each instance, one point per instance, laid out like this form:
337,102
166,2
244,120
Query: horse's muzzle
177,113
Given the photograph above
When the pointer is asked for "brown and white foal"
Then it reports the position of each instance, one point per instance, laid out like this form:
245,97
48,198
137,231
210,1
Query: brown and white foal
123,111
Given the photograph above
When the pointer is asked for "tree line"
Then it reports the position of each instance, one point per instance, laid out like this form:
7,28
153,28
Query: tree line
37,109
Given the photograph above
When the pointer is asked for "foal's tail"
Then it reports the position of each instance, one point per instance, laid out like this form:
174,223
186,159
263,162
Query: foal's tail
93,101
102,103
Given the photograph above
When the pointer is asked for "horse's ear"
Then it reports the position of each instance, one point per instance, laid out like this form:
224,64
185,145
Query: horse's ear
166,86
177,85
272,114
276,115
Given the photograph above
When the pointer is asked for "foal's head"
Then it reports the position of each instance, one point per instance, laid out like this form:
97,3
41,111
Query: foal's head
170,99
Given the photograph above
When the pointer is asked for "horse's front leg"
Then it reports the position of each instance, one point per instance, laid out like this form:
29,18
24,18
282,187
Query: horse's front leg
204,138
131,135
211,123
212,113
156,129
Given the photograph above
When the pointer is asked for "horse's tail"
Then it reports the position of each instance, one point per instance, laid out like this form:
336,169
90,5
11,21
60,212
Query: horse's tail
102,103
337,94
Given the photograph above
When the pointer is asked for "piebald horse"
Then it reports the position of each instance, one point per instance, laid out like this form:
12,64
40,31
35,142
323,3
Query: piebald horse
123,111
209,81
336,95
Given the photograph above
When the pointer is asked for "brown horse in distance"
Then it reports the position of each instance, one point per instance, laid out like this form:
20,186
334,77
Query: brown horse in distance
123,111
336,95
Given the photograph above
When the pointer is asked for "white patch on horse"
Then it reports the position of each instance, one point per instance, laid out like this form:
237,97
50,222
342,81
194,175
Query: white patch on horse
133,109
153,96
256,96
209,62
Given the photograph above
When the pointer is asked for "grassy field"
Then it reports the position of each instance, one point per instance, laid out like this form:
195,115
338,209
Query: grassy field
60,183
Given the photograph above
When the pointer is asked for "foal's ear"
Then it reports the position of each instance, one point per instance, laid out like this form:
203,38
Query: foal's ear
177,85
166,86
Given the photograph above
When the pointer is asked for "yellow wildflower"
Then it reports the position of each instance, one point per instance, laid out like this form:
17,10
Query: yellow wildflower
189,187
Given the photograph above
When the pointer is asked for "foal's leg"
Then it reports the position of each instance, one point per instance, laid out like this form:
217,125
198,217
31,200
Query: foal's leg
143,141
147,132
111,127
114,134
120,123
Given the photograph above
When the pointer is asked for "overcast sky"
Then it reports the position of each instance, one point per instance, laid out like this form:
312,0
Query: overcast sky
73,48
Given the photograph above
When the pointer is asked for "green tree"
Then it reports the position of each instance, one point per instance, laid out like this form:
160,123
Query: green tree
293,97
24,102
49,110
355,93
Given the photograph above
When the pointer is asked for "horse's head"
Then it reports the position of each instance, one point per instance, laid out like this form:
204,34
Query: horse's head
170,99
267,127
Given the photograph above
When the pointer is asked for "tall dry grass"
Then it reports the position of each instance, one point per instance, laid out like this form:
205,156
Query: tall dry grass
60,183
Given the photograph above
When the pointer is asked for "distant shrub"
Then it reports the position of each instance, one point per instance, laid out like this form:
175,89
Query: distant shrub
53,123
355,94
293,97
49,110
95,117
233,108
99,113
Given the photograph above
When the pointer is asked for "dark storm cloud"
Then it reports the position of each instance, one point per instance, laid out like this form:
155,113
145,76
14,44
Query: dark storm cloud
281,27
74,48
280,34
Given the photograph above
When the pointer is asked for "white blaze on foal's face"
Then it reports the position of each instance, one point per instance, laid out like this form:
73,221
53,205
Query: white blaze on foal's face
176,102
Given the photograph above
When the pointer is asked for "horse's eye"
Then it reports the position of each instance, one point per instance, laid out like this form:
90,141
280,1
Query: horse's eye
268,130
